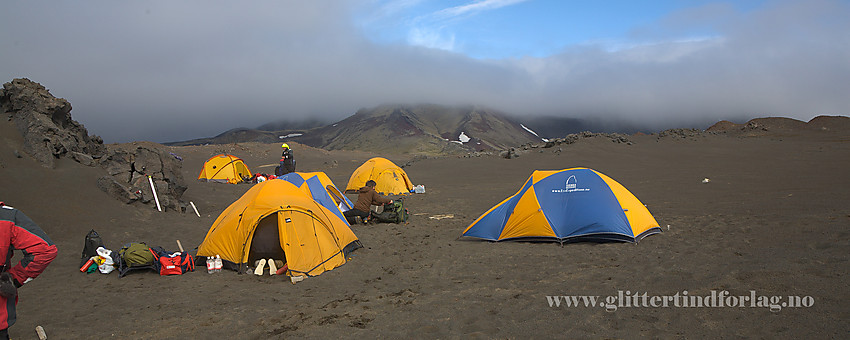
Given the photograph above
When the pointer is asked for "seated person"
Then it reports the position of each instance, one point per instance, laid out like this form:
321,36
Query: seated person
287,161
367,196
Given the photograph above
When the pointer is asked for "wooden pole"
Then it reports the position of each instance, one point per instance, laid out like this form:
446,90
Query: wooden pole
40,331
179,246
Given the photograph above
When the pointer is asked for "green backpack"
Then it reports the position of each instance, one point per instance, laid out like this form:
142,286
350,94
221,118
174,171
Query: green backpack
134,255
393,213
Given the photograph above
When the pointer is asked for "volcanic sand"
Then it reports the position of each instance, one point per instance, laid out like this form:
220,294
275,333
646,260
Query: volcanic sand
773,219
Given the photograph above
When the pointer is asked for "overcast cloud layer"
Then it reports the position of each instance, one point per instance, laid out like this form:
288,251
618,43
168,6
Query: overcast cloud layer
166,71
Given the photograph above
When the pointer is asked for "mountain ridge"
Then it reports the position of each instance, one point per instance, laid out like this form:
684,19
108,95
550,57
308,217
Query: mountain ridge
417,128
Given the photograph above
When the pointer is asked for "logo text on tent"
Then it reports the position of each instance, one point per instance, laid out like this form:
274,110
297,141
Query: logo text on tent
571,186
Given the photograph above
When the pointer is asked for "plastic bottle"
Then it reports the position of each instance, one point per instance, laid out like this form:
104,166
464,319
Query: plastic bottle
218,263
210,265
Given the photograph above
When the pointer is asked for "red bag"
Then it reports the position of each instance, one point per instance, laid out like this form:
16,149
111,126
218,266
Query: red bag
173,263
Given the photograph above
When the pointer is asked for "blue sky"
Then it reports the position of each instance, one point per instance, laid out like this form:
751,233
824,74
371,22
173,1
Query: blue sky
497,29
175,70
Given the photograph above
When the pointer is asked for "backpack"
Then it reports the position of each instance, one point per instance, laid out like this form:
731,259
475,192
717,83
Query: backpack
133,256
393,212
92,242
168,263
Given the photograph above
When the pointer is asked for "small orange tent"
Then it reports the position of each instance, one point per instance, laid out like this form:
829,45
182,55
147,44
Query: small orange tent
390,179
224,168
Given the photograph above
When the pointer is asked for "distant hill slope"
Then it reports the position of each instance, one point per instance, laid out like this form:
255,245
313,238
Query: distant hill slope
397,128
557,127
290,124
238,135
766,125
266,133
421,129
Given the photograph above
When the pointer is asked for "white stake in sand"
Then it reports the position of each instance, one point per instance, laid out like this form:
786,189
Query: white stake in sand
195,209
154,193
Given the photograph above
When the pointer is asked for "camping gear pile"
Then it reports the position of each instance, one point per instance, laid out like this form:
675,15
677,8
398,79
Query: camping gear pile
394,212
95,257
133,256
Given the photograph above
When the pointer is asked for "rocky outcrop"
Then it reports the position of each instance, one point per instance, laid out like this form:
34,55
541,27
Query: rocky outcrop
680,133
46,125
509,154
49,133
575,137
128,167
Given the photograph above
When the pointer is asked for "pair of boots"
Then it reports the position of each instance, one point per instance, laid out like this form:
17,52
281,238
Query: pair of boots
261,265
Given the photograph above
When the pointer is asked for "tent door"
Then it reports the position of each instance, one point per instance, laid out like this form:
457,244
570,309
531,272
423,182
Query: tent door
266,241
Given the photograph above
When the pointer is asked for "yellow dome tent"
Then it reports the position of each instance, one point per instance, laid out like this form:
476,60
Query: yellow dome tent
224,168
390,179
313,237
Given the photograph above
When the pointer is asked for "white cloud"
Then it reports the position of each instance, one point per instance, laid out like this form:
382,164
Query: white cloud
434,30
475,7
431,39
664,51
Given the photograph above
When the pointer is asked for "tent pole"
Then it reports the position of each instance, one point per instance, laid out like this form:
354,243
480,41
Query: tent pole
194,208
154,193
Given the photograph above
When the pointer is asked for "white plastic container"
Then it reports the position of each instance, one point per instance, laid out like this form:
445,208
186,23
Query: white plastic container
218,263
419,189
210,265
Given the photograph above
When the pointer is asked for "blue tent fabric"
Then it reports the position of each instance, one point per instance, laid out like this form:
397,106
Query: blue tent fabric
317,190
495,219
294,178
320,194
498,217
584,212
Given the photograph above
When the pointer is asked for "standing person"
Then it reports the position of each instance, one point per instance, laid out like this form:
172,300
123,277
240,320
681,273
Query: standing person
17,231
287,161
367,196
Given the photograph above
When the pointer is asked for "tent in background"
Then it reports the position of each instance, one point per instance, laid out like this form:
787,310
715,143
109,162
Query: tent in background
391,179
567,205
224,168
312,237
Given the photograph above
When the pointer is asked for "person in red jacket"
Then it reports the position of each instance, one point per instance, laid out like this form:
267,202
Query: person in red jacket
367,196
17,231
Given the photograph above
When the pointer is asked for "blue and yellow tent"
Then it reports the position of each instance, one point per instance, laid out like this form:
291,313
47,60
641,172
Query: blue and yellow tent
319,186
567,205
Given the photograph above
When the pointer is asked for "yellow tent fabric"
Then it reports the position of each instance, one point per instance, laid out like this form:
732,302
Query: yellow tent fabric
313,238
224,168
390,179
